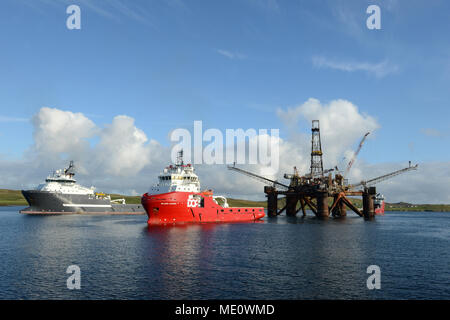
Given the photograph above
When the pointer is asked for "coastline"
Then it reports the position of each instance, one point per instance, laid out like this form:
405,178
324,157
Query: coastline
13,198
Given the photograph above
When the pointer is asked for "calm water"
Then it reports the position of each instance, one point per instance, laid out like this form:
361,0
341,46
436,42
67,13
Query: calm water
279,258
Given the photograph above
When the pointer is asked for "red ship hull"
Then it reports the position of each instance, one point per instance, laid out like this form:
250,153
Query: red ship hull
380,210
178,207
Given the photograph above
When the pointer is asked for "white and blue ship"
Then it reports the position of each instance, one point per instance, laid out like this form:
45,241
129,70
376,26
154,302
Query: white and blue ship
60,194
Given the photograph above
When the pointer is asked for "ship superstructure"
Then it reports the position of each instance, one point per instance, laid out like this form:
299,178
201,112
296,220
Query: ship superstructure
177,178
62,181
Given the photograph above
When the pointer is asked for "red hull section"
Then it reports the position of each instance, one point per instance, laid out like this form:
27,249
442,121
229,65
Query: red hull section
179,207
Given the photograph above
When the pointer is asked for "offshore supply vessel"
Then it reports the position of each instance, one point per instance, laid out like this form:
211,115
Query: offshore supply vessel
379,204
60,194
177,198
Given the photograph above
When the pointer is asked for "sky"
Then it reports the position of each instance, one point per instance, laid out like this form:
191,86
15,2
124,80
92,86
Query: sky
109,94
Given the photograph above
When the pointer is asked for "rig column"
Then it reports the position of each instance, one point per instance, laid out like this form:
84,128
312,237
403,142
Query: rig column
342,209
291,205
322,205
369,202
272,201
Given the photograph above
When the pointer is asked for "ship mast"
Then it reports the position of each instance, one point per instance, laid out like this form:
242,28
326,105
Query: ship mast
70,170
180,158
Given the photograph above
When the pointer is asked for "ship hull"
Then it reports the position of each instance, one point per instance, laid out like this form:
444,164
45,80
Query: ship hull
178,207
45,202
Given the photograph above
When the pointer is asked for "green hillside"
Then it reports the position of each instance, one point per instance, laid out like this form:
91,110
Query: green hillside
15,198
11,198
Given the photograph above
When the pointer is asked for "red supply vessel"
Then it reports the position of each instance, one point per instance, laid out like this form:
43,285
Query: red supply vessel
379,204
177,198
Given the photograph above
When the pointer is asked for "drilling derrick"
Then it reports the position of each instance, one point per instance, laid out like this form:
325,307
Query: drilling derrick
316,151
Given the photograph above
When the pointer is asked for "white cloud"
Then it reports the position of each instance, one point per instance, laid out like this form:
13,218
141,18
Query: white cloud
237,185
12,119
120,158
123,149
430,183
57,131
379,70
116,10
431,132
231,55
341,125
111,158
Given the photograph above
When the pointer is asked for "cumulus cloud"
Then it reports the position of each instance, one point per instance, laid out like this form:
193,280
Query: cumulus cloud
58,131
236,185
114,158
123,149
430,183
341,124
119,157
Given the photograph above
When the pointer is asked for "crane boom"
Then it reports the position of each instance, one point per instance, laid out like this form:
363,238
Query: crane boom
258,177
352,160
384,177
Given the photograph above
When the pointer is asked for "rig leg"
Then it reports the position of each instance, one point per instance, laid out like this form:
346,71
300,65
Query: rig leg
351,206
281,211
272,204
335,206
291,205
369,203
302,203
322,205
311,205
342,210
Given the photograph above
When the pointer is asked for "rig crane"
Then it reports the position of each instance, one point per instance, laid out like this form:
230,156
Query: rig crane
371,182
352,160
258,177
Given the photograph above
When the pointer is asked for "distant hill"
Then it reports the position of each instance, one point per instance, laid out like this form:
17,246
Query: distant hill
11,198
15,198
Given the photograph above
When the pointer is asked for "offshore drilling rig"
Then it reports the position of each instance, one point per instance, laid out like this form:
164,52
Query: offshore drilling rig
319,190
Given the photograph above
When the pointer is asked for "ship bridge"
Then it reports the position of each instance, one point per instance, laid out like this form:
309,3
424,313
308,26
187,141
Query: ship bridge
178,177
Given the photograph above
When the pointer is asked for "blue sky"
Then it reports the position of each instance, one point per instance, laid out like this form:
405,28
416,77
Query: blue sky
230,64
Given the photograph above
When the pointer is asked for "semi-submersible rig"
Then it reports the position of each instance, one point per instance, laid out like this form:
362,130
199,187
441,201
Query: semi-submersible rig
320,190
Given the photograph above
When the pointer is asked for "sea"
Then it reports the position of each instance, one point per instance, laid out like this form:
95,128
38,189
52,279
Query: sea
401,255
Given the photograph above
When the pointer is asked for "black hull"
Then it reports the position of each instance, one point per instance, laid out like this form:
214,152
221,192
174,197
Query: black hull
44,202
